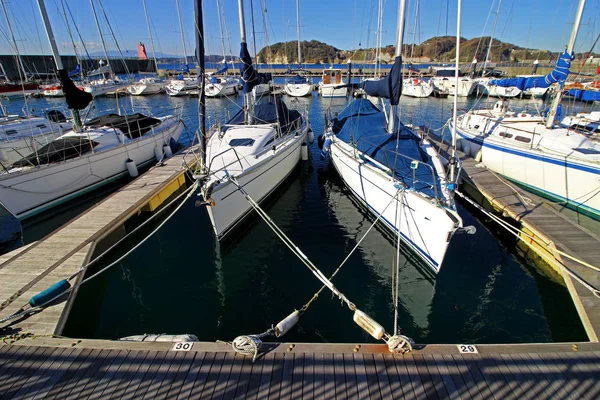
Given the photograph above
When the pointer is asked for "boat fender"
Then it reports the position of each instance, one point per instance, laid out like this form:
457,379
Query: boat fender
167,151
304,152
459,145
158,154
55,290
320,141
173,144
478,156
131,168
311,136
467,148
368,324
287,323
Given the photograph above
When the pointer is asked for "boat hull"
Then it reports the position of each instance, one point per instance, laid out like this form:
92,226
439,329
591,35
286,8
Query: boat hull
465,86
298,89
146,89
419,90
425,227
231,207
220,90
29,192
333,91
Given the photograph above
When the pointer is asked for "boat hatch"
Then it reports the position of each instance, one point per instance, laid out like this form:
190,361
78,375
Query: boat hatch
241,142
587,151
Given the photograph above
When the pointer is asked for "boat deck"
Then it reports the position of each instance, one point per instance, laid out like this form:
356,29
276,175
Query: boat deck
553,229
31,269
65,369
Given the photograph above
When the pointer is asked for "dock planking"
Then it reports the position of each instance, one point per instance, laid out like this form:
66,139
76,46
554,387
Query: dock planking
553,228
53,368
31,269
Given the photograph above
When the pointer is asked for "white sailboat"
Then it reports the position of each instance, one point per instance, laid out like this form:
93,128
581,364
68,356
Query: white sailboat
587,124
444,82
182,86
391,170
415,86
219,84
85,158
148,85
256,150
554,161
299,85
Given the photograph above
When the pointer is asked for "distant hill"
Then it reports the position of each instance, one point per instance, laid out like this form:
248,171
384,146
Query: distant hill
436,49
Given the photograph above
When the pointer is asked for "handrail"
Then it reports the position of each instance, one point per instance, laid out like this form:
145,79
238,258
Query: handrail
225,166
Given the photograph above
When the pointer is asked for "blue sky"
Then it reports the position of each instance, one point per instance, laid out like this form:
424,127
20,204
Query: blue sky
342,23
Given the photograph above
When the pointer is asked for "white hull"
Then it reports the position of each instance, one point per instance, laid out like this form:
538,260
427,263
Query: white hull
146,89
220,89
19,93
102,89
536,93
484,87
466,86
333,90
298,89
31,191
258,180
421,89
53,93
546,162
424,227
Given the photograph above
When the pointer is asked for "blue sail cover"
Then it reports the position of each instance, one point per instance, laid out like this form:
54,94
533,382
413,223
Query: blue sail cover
222,70
559,74
584,95
364,125
297,79
389,87
250,76
76,71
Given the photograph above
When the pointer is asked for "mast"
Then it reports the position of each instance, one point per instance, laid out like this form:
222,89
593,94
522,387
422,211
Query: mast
202,99
399,41
56,56
221,30
298,22
182,36
412,49
20,68
253,31
487,56
71,36
150,33
101,37
552,113
456,81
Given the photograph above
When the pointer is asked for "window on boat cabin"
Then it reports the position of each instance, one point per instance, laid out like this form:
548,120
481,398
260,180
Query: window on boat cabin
449,73
587,151
269,142
522,139
507,135
41,126
11,131
241,142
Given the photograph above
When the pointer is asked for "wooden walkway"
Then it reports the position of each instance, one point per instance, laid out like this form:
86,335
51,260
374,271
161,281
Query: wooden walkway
33,268
542,221
117,370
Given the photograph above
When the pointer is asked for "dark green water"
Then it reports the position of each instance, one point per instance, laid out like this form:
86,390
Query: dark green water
182,281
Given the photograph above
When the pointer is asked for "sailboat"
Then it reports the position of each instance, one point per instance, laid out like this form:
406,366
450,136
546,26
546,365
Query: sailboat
86,157
299,85
149,85
256,150
182,86
415,86
553,161
391,169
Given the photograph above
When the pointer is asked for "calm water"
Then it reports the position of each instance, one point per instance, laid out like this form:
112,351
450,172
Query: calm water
182,281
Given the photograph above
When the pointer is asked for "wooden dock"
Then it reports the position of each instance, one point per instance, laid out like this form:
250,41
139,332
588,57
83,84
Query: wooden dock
552,231
67,369
33,268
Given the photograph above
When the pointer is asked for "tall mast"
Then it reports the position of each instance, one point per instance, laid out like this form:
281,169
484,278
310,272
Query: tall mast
62,2
487,56
552,113
150,33
298,21
201,81
56,55
101,37
182,36
399,42
221,29
253,31
412,49
20,67
456,81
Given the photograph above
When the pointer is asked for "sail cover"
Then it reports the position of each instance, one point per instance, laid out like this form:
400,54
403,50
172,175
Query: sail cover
250,76
389,87
76,71
76,98
222,70
559,74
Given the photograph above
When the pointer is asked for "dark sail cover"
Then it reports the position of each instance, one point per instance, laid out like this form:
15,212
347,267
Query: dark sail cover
559,74
77,99
389,87
76,71
250,76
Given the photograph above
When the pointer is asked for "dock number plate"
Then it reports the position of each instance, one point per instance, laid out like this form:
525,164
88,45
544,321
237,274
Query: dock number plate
467,349
182,346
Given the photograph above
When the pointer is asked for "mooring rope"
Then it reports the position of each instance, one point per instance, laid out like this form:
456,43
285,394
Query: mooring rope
251,344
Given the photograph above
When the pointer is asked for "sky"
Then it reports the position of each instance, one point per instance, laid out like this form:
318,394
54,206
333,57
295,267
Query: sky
345,24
